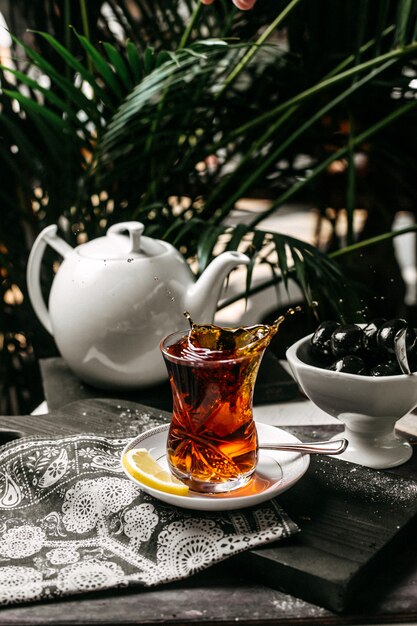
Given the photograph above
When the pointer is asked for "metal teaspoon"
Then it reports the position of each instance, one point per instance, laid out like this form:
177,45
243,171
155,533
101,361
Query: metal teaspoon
314,447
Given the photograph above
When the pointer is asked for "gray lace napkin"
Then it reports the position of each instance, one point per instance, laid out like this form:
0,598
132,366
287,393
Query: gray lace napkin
71,522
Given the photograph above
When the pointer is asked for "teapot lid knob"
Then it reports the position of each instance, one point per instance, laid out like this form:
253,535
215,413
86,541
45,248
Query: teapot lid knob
135,230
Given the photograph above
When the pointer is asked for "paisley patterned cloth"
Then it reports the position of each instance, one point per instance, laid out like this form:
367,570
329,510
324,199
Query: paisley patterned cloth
71,522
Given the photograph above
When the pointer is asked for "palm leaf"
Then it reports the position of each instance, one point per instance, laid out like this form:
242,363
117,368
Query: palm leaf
134,60
36,109
120,66
281,249
357,141
404,13
206,244
68,88
165,118
256,246
76,65
102,67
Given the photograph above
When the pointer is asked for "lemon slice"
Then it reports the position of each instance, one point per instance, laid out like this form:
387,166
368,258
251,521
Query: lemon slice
143,467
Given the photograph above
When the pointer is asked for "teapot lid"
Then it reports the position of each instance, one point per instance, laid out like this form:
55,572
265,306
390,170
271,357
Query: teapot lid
116,246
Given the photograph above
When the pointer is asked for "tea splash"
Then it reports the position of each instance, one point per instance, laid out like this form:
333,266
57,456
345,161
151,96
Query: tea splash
214,339
212,441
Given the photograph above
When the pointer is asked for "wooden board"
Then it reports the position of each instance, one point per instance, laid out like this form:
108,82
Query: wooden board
351,520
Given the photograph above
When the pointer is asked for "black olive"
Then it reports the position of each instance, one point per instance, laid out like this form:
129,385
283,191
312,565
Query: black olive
369,351
350,364
370,332
389,368
320,341
386,334
346,339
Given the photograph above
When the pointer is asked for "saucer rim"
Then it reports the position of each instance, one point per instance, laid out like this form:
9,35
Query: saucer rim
221,502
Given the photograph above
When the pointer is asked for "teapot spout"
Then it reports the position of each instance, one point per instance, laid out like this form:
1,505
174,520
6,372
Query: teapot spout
202,297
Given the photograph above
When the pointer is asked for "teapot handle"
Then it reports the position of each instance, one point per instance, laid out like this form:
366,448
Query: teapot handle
47,236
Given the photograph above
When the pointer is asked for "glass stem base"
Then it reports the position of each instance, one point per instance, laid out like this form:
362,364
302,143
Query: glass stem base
204,486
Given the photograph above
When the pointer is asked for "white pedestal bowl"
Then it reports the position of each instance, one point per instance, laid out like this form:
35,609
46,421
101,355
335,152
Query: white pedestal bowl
368,406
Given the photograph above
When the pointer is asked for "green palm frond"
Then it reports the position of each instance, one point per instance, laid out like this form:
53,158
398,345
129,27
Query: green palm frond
170,112
290,259
140,125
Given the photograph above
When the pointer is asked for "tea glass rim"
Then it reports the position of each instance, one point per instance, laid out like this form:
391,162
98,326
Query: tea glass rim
195,361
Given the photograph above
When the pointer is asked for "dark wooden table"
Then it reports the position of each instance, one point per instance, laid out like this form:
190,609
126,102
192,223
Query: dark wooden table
229,593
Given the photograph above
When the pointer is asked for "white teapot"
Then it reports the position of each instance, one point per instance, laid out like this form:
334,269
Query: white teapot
115,298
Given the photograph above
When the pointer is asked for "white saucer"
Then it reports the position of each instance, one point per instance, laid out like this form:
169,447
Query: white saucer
276,472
